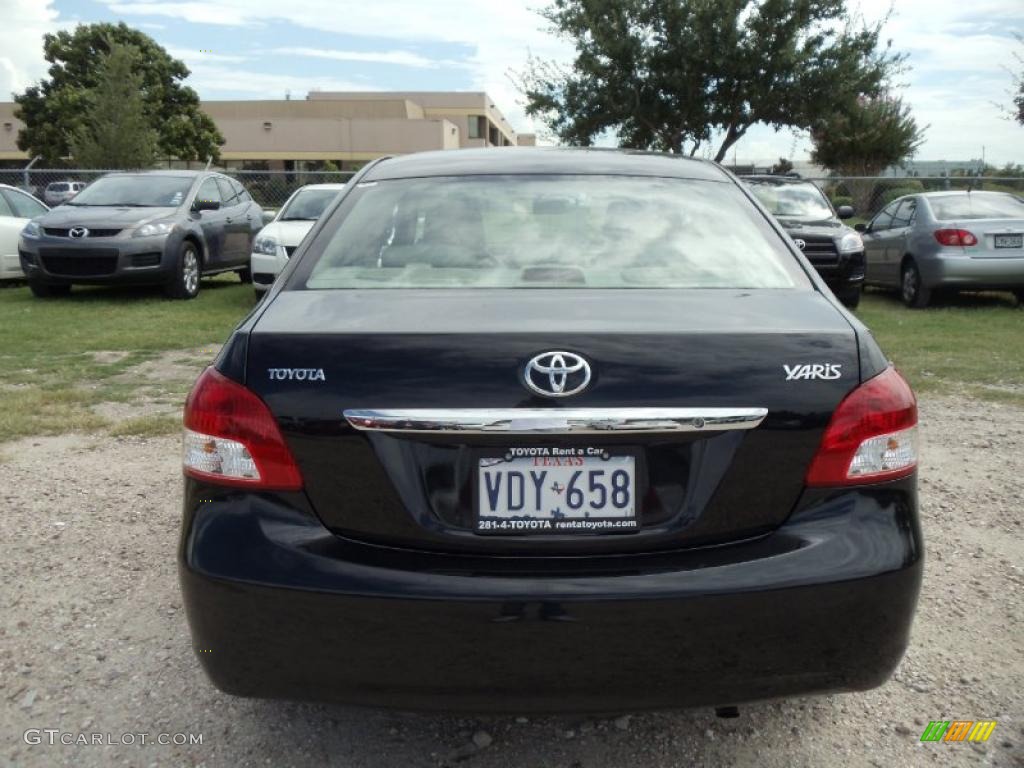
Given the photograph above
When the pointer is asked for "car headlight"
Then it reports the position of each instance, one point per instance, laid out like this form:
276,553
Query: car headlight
154,228
31,230
851,242
265,245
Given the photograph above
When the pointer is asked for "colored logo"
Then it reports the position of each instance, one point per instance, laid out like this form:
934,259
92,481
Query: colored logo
958,730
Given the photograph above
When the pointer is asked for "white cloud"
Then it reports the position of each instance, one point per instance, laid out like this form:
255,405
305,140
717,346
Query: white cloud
21,43
193,56
402,58
216,80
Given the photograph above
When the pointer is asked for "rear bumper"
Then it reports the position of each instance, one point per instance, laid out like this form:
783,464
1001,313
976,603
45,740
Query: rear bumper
973,272
279,607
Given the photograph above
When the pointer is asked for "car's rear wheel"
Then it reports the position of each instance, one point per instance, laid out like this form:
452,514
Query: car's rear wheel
914,292
48,290
850,296
1019,293
245,275
184,280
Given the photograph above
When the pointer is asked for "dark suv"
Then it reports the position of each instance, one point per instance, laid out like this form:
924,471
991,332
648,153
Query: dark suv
156,227
833,248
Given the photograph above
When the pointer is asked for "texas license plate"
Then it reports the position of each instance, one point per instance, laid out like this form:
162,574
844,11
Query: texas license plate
1009,241
556,490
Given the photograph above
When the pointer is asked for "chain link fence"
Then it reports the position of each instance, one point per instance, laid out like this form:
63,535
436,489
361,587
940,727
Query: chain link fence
268,188
867,194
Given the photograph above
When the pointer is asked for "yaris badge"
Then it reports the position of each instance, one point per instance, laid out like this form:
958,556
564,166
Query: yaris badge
557,374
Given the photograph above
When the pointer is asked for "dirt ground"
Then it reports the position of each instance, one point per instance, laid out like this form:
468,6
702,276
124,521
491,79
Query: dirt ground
93,638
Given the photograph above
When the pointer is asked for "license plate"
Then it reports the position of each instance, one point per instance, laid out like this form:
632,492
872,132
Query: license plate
1009,241
556,490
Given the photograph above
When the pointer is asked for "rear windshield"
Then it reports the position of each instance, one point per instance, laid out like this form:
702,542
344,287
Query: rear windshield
145,190
308,204
549,231
977,205
790,200
59,186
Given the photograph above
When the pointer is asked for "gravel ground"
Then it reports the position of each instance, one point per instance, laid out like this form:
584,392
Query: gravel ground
93,637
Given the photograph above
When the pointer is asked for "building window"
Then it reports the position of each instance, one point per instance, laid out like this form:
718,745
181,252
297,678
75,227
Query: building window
477,127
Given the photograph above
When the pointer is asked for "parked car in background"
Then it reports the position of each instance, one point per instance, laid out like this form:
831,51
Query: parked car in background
835,250
947,241
277,241
155,227
16,209
59,192
551,430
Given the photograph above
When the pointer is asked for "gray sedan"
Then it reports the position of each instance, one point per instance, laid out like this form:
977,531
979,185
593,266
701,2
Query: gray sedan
947,241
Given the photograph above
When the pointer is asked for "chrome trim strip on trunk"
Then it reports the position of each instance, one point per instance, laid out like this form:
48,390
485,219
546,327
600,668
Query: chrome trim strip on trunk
526,421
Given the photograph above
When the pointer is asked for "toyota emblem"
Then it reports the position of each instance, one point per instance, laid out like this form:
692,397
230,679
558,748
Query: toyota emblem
801,244
557,374
78,232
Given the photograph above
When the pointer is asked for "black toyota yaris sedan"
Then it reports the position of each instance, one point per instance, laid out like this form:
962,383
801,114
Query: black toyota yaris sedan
549,430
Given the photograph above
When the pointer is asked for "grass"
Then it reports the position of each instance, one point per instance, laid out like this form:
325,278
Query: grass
148,426
969,344
61,359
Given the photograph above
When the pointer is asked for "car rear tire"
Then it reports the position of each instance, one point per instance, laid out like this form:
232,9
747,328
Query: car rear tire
48,290
184,280
245,275
913,291
1019,293
850,296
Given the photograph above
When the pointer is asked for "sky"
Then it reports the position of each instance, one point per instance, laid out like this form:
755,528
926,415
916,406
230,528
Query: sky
959,82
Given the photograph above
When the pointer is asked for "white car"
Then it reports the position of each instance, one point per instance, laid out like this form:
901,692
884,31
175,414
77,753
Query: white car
59,192
16,209
276,242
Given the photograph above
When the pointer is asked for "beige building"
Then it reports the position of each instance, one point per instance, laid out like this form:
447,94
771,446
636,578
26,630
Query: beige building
346,129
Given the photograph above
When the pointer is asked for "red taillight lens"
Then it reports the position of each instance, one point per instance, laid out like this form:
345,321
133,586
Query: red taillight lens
231,438
872,435
955,237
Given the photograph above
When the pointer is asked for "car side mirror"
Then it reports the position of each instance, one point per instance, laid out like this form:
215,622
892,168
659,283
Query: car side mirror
846,212
861,227
268,216
205,205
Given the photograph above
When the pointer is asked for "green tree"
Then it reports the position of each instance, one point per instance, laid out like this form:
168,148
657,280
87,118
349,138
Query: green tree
867,137
54,110
863,140
782,167
1018,100
116,132
671,74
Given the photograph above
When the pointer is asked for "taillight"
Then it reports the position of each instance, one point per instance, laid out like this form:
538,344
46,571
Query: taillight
872,435
231,438
955,237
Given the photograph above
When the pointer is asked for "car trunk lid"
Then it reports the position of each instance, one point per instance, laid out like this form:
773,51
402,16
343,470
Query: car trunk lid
314,355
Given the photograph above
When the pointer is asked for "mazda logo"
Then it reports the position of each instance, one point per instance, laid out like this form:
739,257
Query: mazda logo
801,244
557,374
78,232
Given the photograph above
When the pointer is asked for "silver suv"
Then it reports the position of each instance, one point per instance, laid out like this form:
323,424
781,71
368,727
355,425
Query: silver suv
58,192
